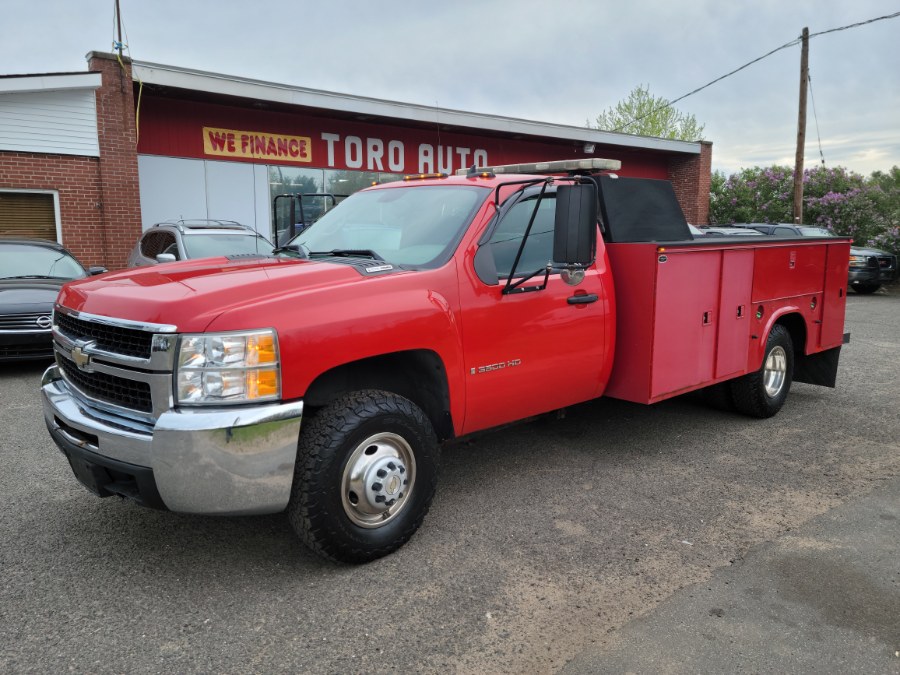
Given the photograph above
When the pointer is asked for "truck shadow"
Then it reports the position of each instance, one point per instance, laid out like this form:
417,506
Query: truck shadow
482,476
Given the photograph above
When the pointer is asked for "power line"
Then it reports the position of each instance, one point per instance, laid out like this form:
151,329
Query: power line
816,117
855,25
793,42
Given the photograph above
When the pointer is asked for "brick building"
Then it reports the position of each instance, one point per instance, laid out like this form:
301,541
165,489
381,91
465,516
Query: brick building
91,159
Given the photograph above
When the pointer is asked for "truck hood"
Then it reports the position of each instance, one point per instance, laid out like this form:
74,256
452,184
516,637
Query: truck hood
865,250
28,295
189,295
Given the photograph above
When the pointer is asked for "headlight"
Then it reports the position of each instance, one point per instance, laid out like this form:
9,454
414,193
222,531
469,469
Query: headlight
858,261
228,368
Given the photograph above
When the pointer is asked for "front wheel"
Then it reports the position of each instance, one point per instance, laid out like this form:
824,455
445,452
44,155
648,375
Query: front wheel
365,476
761,394
865,289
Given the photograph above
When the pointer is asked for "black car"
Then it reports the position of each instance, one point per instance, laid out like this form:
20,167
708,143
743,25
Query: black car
871,267
31,273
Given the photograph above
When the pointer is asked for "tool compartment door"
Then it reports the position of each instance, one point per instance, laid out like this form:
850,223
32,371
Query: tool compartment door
734,312
686,320
835,296
683,317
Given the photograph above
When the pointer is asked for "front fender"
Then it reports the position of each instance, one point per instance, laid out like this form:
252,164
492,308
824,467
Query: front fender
328,327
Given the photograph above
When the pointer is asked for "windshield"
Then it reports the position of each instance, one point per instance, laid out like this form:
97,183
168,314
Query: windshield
207,245
405,226
37,262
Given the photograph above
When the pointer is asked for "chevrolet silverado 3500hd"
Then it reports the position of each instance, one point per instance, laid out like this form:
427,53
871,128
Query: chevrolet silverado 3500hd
322,379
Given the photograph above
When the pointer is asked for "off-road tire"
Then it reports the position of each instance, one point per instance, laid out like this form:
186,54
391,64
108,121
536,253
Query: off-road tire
749,392
327,442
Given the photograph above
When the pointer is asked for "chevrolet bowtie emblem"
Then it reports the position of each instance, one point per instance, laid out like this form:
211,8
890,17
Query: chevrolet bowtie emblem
81,358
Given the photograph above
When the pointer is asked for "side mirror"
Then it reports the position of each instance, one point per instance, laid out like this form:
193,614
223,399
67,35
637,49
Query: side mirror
165,257
94,271
575,229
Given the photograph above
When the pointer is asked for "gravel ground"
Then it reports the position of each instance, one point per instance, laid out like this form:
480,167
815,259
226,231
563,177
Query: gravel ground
544,540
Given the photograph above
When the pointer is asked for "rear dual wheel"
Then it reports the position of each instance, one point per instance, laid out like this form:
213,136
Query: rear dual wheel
365,476
763,393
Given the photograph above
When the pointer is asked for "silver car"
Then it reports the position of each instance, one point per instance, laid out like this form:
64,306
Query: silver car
188,239
729,231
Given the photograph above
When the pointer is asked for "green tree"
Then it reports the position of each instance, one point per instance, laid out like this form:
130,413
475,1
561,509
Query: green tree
887,194
644,114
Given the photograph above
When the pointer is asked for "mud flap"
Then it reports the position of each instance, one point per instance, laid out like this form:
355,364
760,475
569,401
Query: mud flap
820,368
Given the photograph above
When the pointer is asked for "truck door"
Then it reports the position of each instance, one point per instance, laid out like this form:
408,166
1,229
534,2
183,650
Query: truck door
535,351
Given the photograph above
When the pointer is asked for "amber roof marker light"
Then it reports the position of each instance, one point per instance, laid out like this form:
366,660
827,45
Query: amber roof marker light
424,176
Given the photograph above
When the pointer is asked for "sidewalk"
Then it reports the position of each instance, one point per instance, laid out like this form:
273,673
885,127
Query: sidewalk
822,599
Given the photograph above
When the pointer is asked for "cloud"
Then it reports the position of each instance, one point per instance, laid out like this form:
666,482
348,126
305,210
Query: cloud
560,62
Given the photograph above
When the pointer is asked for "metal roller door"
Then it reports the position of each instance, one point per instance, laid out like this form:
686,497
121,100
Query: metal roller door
27,214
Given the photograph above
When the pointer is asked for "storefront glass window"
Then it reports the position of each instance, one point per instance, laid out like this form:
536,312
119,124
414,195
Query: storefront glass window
345,183
299,197
288,212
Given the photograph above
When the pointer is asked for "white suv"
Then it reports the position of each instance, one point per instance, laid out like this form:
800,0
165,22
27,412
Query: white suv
188,239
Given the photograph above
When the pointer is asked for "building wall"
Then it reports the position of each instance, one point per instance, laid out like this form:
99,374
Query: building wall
77,181
178,134
120,211
691,176
49,122
99,201
180,128
101,197
174,188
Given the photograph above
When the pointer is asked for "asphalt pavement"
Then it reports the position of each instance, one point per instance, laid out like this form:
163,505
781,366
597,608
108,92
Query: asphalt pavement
622,538
824,598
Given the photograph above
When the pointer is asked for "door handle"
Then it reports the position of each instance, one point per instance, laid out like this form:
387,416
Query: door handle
582,299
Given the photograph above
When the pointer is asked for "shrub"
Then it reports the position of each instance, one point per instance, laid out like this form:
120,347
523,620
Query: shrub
866,209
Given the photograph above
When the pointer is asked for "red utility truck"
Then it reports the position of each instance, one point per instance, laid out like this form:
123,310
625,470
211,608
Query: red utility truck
322,379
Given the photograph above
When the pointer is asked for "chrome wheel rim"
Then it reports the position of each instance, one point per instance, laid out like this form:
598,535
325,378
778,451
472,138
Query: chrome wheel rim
775,371
378,479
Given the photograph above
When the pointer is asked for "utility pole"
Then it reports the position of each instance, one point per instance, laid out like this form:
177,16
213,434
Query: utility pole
119,27
118,47
801,129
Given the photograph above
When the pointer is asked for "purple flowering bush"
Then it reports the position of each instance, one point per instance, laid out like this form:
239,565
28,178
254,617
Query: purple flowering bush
889,240
849,204
754,195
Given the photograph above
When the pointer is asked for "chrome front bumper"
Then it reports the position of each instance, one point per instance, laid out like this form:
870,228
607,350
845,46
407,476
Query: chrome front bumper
224,461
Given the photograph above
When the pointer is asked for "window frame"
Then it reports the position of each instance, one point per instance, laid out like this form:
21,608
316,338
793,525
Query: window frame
523,194
56,211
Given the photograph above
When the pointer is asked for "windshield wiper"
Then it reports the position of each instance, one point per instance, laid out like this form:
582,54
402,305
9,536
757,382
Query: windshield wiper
348,253
33,276
298,249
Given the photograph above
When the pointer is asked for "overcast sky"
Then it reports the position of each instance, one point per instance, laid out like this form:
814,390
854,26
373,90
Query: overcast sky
546,60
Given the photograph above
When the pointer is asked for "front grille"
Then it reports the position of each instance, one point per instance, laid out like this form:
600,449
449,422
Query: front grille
109,388
126,341
10,352
24,321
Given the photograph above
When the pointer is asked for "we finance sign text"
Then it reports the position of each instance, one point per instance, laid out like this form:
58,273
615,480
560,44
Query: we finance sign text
342,152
